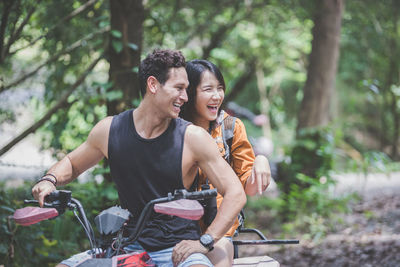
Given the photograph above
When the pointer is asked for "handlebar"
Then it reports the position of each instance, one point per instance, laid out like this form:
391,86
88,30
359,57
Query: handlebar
184,194
61,200
146,212
58,199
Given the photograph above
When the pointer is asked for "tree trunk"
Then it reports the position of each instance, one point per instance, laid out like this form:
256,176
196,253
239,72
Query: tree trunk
241,82
392,79
314,110
127,17
262,90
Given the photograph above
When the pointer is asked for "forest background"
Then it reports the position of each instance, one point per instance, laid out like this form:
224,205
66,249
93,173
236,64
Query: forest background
325,74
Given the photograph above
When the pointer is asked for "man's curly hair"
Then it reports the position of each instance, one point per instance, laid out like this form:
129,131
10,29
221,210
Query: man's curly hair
157,64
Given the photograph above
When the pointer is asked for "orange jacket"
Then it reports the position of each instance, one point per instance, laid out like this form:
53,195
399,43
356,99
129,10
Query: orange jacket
241,158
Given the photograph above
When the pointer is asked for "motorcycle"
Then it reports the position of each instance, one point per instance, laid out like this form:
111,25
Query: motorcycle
108,249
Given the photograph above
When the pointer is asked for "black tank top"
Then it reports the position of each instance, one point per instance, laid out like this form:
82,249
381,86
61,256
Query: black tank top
145,169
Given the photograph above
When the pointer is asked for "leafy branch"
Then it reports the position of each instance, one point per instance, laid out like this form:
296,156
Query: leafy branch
54,58
61,103
63,20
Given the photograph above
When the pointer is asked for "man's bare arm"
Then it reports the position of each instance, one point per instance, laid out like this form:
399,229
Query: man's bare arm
221,176
202,150
82,158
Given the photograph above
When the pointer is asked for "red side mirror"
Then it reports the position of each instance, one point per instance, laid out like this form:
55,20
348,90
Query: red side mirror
31,215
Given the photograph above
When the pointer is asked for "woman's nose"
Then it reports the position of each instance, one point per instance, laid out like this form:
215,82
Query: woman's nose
216,95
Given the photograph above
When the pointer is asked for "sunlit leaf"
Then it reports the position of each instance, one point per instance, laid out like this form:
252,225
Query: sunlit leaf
116,34
117,45
114,95
133,46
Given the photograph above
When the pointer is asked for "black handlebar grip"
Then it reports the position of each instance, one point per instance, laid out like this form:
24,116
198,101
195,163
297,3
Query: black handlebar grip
54,198
204,194
55,195
30,201
58,195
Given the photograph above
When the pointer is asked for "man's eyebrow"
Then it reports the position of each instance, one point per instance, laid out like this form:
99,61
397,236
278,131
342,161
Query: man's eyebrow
181,83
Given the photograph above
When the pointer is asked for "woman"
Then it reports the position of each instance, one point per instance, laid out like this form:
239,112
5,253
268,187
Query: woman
205,95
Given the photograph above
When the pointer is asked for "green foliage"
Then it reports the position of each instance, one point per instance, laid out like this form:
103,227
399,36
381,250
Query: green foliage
311,156
305,203
368,71
369,163
238,36
374,161
313,151
49,242
6,115
19,245
65,46
311,210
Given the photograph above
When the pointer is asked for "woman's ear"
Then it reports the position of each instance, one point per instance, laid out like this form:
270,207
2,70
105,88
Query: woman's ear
152,84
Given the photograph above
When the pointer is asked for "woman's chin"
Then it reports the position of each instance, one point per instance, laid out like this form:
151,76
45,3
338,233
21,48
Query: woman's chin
212,117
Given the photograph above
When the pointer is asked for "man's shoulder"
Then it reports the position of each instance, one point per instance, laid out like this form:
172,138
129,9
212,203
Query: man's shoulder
194,130
195,134
199,141
103,126
98,136
106,122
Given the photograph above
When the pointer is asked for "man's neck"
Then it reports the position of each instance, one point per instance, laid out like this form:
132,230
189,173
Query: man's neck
149,123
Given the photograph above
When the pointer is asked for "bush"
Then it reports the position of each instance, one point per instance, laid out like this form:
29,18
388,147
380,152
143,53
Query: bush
305,203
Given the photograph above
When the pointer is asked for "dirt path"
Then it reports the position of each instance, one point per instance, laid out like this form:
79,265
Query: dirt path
369,235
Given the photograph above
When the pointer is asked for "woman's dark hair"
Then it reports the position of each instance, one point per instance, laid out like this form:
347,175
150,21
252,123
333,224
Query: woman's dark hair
195,69
157,64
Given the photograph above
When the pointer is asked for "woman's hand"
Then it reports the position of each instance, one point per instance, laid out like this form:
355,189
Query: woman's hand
260,176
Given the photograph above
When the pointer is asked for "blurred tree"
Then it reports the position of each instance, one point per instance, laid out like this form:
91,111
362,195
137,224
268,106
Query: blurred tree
40,44
321,74
272,36
312,152
124,55
368,76
29,25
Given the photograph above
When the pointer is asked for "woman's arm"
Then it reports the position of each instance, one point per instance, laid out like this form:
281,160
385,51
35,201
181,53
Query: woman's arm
260,177
246,166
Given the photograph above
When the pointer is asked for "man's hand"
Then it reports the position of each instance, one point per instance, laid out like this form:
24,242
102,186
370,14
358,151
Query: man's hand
42,189
261,175
185,248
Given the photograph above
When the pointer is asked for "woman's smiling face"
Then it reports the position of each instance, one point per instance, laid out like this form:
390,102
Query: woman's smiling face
209,96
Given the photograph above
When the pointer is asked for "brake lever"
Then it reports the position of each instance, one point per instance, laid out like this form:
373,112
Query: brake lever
58,199
33,201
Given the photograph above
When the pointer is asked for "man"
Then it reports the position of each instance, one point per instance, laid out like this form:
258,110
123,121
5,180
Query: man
152,152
